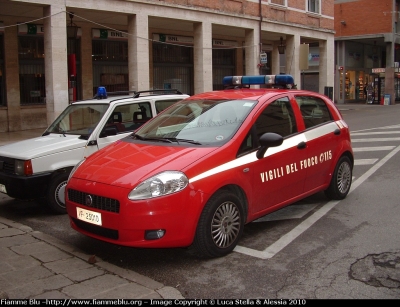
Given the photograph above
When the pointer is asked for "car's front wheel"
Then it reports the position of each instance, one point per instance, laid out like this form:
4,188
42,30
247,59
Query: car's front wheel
55,197
220,226
341,179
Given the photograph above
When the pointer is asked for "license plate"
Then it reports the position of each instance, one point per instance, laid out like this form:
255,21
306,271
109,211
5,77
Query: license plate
3,188
88,216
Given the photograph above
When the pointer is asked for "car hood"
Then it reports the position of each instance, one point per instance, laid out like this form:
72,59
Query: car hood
126,164
41,146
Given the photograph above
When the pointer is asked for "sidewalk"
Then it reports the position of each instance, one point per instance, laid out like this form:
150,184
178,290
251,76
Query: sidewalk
34,265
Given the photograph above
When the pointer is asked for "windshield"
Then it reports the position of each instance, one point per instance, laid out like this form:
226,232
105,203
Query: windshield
79,119
201,122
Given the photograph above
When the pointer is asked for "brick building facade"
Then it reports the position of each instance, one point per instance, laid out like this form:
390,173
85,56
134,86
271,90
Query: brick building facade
367,50
57,51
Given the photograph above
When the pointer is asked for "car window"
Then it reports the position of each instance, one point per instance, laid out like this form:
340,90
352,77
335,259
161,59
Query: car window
129,117
203,121
313,110
277,117
161,105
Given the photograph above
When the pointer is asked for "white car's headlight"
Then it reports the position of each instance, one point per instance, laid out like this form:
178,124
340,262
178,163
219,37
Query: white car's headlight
165,183
75,168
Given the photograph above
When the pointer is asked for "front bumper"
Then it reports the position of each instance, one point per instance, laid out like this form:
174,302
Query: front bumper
25,187
124,222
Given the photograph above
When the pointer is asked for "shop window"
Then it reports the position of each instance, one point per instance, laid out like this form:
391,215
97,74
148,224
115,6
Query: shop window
109,51
110,65
173,67
31,70
313,6
223,61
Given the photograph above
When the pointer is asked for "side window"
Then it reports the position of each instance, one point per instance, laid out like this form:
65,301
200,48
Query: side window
129,117
140,113
313,110
277,117
161,105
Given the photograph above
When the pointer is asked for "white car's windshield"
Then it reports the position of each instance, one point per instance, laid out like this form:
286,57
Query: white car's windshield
79,119
205,122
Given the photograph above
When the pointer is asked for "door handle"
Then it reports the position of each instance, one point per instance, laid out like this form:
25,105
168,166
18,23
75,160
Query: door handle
301,145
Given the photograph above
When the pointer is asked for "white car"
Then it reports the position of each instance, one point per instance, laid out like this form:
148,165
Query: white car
39,167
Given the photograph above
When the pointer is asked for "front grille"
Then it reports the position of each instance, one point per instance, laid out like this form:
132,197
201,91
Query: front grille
8,165
98,202
97,230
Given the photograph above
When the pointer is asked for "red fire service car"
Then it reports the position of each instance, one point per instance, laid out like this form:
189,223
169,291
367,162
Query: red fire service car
194,175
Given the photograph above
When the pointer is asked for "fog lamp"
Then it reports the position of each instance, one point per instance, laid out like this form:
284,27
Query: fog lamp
154,234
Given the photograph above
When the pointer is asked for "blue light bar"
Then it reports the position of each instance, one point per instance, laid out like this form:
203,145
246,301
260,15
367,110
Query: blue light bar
258,80
101,92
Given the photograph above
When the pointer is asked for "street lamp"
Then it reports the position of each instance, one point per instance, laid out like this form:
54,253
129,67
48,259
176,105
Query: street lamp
281,47
72,29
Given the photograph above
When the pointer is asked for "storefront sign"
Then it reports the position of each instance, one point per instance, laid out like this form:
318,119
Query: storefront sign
166,38
378,70
109,34
223,43
263,58
30,29
313,56
34,29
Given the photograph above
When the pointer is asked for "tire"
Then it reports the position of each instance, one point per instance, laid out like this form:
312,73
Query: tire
55,198
341,180
220,226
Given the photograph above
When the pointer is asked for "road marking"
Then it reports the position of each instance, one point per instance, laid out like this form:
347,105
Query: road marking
374,133
374,140
285,240
365,161
362,149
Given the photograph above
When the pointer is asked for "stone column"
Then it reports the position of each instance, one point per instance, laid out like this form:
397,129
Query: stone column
87,62
13,120
251,41
326,65
275,61
292,55
56,63
203,77
138,49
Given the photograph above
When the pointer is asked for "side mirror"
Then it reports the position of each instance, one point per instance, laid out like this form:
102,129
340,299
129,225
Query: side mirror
108,131
267,140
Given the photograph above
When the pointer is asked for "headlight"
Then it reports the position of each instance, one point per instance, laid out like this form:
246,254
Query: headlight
75,168
165,183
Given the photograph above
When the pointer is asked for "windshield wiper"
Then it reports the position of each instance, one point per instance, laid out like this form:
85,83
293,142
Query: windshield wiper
166,140
183,140
139,137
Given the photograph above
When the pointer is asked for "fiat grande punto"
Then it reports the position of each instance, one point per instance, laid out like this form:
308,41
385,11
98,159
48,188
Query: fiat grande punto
194,175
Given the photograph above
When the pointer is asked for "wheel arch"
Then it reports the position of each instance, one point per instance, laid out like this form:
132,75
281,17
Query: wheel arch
239,192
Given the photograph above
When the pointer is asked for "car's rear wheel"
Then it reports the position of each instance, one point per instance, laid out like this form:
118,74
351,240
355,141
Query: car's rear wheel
341,179
55,197
220,226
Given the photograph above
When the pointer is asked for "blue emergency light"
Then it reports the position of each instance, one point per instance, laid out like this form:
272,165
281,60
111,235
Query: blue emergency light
101,92
279,80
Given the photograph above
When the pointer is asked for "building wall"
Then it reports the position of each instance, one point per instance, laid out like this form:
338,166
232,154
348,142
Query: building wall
363,17
236,20
371,24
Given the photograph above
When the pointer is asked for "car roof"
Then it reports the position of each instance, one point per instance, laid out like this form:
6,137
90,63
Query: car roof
120,98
